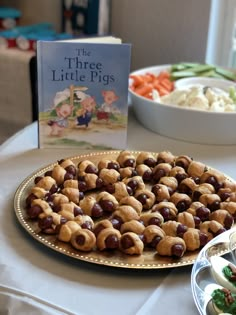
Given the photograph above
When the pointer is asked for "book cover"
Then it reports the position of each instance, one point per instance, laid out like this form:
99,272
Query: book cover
82,93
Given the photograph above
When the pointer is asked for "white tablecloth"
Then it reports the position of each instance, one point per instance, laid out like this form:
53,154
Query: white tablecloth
33,276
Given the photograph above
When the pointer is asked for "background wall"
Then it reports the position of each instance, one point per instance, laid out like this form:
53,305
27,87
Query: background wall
37,11
161,31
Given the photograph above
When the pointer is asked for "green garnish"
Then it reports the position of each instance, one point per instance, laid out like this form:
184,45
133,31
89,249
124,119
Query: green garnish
191,69
232,93
227,272
220,300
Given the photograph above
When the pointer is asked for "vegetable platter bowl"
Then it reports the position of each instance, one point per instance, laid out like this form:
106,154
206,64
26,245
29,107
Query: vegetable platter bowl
195,122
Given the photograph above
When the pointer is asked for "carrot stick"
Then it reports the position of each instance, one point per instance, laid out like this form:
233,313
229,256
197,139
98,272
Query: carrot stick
144,84
137,80
143,89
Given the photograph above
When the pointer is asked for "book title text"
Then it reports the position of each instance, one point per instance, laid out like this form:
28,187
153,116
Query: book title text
79,70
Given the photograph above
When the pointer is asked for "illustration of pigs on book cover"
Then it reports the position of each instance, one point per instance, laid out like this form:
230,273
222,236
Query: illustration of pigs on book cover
82,94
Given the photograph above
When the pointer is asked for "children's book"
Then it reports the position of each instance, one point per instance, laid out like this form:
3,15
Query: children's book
83,93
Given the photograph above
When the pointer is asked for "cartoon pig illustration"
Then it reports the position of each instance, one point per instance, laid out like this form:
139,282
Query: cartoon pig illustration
57,125
109,97
84,115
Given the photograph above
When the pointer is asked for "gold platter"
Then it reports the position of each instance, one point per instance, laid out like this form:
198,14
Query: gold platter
148,260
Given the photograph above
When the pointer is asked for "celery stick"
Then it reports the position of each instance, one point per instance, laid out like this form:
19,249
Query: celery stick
181,74
227,74
177,67
210,74
202,68
183,66
190,64
232,93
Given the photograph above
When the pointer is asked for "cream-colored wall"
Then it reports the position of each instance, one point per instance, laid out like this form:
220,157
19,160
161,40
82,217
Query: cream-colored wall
162,31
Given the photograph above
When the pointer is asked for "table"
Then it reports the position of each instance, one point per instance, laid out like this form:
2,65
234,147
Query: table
49,279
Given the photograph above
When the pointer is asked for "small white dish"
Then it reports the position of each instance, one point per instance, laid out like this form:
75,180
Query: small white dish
217,265
210,82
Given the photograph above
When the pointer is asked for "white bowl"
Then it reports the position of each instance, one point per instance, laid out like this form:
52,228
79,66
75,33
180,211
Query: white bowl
185,124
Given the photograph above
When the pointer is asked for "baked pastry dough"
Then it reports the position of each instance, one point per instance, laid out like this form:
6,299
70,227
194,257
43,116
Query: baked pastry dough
71,183
69,210
59,174
120,190
107,201
108,238
187,219
68,165
92,181
167,209
85,221
146,197
91,207
57,199
187,186
144,171
196,169
126,172
214,178
228,183
223,217
179,173
109,164
181,201
161,192
125,213
174,228
50,224
109,176
152,235
212,228
152,218
211,201
135,183
194,239
67,229
225,194
202,189
83,239
183,161
198,209
146,158
160,170
126,158
165,157
171,246
172,203
73,194
230,206
47,183
131,244
43,207
36,193
85,167
132,226
100,225
170,182
133,202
